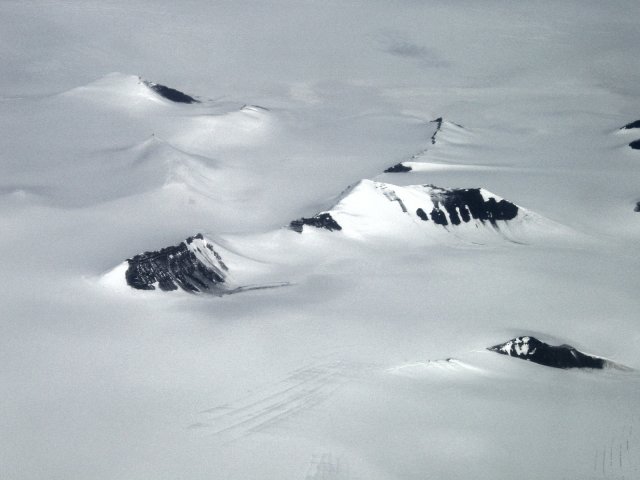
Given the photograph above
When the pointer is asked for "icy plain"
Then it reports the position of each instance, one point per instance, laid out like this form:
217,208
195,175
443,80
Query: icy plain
369,360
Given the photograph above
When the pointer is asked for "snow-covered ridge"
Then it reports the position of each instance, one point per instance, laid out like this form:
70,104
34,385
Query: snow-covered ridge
534,350
446,133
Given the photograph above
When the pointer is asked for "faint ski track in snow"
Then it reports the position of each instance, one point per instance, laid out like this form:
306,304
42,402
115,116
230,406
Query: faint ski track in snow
301,390
619,458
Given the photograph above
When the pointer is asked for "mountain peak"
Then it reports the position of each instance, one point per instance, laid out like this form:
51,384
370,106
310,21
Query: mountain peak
371,208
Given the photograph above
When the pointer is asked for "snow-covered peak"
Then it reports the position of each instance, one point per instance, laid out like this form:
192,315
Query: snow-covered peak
120,89
372,208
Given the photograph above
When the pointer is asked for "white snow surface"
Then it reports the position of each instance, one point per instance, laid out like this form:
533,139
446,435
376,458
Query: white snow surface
370,361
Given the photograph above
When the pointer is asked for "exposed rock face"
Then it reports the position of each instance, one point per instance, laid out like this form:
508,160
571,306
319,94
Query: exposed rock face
462,205
398,168
193,266
563,356
322,220
635,144
631,125
637,209
170,93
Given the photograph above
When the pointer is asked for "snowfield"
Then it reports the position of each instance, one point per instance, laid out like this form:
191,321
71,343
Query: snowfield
331,212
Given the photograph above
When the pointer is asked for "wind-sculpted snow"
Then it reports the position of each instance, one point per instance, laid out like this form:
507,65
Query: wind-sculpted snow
533,350
193,266
170,93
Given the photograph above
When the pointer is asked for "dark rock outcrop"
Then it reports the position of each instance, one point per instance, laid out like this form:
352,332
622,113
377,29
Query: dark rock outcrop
637,209
171,93
462,205
322,220
533,350
398,168
438,122
631,125
193,266
635,144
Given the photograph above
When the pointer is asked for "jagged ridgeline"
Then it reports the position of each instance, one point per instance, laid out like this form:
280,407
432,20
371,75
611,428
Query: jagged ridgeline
193,265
